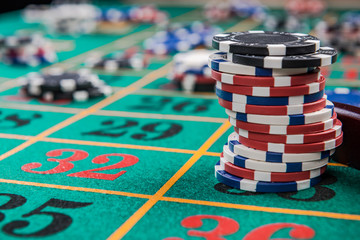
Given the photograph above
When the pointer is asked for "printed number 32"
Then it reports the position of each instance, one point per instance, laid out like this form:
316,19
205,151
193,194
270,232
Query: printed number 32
66,164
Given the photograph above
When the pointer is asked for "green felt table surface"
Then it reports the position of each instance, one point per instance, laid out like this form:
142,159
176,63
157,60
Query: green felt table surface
132,167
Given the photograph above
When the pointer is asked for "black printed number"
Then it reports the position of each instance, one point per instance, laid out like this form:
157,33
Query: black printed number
165,129
59,222
151,103
14,202
15,121
160,129
321,191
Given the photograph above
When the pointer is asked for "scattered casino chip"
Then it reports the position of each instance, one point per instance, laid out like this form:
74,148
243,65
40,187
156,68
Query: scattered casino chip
286,23
190,72
323,57
341,33
266,43
220,10
181,38
84,18
118,60
259,186
305,8
272,89
133,14
57,84
216,10
219,62
65,18
29,50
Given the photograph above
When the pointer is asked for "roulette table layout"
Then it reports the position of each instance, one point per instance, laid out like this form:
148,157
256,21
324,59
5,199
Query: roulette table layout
139,163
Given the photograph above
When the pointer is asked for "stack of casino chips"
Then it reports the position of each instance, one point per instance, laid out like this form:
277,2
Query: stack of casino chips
190,72
57,84
181,38
136,14
272,90
29,50
131,58
64,18
220,10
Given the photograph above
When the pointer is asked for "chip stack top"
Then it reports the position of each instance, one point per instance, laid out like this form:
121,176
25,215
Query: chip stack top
190,72
285,129
29,50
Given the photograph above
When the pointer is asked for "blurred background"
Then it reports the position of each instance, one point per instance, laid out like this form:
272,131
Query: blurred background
174,30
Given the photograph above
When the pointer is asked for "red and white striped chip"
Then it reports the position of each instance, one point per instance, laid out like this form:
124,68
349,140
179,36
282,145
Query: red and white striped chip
292,148
293,138
274,110
305,89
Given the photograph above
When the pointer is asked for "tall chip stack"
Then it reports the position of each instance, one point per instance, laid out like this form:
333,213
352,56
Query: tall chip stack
29,50
190,72
285,129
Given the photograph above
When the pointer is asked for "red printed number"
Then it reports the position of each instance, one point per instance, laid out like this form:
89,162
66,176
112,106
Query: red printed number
265,232
65,164
226,226
128,160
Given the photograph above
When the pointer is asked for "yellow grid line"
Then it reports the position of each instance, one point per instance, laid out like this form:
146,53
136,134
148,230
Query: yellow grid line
131,88
70,188
113,113
159,195
120,145
160,116
130,222
343,216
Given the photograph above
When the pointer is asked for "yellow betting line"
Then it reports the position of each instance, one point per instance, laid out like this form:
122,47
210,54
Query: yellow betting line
343,216
123,229
121,145
14,136
81,189
118,145
337,165
130,89
113,113
160,116
104,144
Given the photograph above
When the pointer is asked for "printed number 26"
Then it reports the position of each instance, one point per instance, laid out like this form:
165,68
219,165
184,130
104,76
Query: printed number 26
227,226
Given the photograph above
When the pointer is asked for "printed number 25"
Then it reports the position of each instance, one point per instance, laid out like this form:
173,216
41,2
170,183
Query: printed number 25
60,221
66,164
